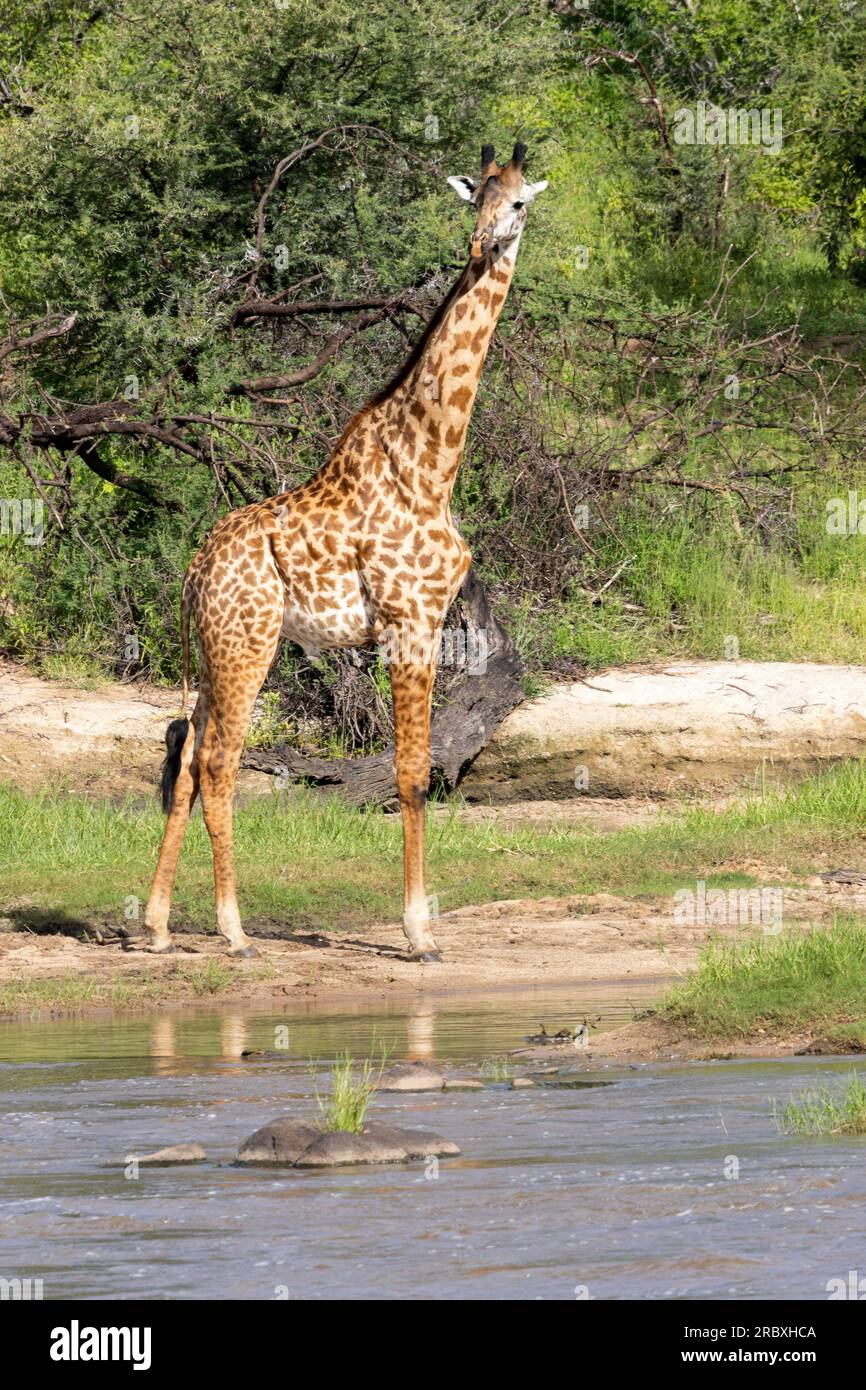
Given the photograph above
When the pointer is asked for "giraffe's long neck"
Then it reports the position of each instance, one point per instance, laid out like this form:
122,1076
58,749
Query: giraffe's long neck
423,418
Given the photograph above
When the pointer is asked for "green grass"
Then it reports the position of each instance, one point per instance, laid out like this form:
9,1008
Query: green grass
688,584
207,979
826,1111
497,1068
304,861
846,1037
314,862
66,992
813,981
85,661
74,994
352,1089
71,993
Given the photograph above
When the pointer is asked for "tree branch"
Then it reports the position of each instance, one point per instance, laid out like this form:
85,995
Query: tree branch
14,343
253,388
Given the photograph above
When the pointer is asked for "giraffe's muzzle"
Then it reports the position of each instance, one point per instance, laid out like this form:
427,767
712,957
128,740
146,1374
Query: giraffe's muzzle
479,245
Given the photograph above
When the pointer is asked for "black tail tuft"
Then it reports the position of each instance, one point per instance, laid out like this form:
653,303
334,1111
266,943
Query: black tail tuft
175,737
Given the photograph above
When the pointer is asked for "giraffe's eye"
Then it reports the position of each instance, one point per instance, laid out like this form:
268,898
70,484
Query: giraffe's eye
517,206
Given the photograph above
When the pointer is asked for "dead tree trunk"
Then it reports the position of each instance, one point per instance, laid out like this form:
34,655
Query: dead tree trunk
476,707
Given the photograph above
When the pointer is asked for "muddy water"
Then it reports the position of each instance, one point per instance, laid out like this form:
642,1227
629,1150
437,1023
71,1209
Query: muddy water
672,1182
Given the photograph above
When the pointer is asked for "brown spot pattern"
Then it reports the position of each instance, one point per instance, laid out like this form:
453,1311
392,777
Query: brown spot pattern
365,551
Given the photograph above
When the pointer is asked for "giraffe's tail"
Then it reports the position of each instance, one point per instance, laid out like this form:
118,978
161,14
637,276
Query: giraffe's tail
175,734
175,738
185,606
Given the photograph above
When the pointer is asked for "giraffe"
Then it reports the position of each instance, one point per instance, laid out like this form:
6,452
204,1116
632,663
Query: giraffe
365,551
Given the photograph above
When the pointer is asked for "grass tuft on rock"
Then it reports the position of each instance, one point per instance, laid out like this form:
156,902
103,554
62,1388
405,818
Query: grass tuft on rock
352,1088
497,1068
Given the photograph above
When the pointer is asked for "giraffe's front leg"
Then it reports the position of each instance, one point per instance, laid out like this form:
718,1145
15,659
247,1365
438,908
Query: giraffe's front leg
412,690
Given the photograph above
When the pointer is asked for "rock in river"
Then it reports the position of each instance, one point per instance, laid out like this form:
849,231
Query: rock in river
282,1141
288,1143
164,1158
418,1143
411,1076
338,1147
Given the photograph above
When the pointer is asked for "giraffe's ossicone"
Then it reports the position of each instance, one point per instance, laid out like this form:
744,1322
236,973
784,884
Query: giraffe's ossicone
365,551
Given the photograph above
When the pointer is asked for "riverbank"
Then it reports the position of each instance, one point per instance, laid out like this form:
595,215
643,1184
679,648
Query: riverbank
500,946
649,733
527,895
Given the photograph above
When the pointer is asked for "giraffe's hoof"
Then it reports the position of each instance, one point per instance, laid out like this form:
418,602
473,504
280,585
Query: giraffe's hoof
169,949
428,957
244,953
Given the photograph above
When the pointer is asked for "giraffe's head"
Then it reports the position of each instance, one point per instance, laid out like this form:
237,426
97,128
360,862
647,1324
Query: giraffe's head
500,197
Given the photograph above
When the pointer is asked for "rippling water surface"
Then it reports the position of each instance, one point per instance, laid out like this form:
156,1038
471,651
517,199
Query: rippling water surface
673,1182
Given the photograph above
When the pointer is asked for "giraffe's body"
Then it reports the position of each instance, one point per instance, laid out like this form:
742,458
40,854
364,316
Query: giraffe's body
365,551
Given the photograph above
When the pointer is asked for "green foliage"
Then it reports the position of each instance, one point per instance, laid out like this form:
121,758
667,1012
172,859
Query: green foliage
269,728
133,162
130,191
804,60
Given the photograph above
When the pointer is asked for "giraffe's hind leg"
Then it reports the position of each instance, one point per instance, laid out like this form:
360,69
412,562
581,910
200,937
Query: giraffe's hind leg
186,789
238,604
233,695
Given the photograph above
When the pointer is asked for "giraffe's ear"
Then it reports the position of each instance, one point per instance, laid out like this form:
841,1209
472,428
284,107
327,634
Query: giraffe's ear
464,186
531,190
